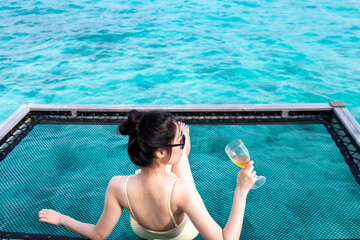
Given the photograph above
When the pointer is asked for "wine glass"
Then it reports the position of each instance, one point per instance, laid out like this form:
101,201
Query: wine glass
239,155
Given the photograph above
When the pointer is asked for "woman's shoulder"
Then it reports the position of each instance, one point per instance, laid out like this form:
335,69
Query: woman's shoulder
183,189
117,187
117,182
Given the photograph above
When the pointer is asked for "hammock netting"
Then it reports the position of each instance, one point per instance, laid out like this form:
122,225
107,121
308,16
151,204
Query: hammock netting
311,166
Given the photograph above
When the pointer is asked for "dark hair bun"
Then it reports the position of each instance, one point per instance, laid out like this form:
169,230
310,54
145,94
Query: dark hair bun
148,131
131,125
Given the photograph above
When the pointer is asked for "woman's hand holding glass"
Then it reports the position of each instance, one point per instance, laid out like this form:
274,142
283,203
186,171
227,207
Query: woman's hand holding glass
246,178
240,156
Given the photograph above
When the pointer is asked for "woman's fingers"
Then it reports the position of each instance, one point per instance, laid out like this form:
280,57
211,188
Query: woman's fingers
250,167
49,216
253,175
246,178
183,125
42,214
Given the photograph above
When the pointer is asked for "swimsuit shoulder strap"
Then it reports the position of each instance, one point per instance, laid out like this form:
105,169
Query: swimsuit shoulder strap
171,215
127,199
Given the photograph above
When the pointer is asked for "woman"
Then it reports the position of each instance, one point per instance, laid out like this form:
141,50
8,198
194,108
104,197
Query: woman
161,197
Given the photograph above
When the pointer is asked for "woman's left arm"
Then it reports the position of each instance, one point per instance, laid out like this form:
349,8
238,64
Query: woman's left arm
106,223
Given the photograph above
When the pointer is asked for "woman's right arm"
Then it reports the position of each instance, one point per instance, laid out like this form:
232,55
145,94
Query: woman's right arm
194,207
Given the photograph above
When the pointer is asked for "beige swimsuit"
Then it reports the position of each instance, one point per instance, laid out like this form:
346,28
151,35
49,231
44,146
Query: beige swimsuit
184,230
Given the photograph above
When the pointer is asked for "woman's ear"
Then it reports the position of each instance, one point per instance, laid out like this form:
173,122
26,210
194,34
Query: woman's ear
161,154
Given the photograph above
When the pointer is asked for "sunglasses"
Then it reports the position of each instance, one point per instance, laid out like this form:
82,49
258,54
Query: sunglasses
182,142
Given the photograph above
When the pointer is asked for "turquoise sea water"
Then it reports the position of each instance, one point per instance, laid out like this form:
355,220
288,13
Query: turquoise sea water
179,52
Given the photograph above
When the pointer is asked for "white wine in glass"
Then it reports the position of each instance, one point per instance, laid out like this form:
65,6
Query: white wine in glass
239,155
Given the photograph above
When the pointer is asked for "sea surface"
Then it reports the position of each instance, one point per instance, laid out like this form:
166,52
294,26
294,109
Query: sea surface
179,52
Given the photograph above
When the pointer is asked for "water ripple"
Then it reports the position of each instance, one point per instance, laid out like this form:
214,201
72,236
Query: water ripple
192,52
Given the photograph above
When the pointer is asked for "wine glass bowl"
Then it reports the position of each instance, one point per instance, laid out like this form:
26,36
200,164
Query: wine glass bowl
238,153
240,156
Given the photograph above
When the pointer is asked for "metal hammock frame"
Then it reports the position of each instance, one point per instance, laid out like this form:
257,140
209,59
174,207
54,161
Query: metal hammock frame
341,125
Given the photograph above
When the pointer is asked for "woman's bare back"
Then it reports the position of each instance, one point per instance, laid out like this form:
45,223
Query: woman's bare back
149,200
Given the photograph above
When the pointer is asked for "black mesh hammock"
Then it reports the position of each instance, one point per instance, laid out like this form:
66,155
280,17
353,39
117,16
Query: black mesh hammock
63,160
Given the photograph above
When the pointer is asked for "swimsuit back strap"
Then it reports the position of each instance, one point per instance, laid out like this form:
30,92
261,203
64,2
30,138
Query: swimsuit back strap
171,215
127,199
